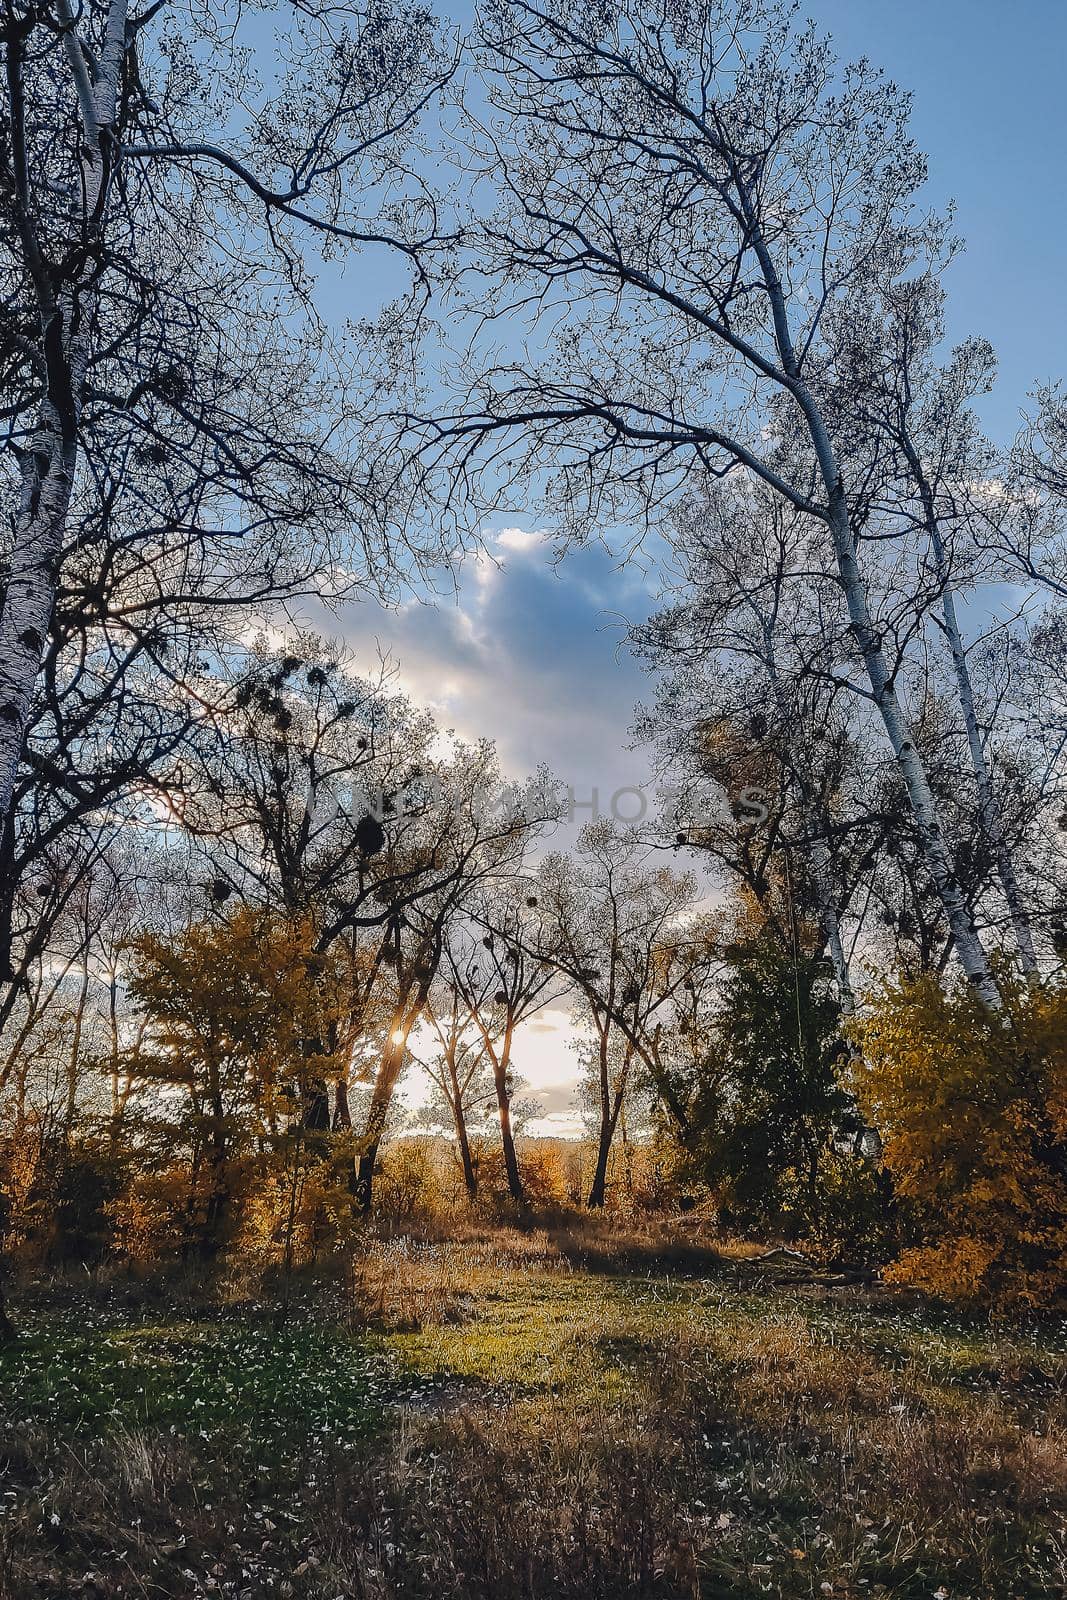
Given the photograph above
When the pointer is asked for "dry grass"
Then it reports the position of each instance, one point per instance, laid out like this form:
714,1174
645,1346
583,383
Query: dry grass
792,1471
561,1430
403,1283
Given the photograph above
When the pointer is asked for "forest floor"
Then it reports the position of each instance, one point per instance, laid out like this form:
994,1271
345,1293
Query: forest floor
521,1416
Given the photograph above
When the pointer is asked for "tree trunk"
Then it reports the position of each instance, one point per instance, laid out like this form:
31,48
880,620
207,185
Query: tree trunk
501,1064
75,1050
992,823
598,1189
507,1140
388,1074
385,1082
610,1107
342,1113
390,1067
935,851
7,1331
470,1174
459,1122
936,855
831,927
315,1109
49,462
40,524
217,1208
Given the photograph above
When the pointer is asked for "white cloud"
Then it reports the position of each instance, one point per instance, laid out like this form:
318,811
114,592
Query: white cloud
521,539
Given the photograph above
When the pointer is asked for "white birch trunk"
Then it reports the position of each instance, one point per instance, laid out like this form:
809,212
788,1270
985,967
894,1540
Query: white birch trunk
49,465
989,813
937,857
823,873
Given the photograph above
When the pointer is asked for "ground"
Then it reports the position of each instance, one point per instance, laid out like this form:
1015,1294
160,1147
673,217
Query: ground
531,1415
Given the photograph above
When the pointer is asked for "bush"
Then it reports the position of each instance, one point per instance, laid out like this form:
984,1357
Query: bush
773,1126
972,1108
89,1179
150,1218
58,1188
407,1184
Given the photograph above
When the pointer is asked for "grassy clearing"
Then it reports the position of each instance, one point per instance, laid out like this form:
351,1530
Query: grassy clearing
500,1416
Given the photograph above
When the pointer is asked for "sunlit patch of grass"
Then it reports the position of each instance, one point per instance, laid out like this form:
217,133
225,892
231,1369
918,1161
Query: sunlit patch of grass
885,1451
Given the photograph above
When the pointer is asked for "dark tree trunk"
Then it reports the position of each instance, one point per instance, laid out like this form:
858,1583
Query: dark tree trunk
599,1186
470,1175
342,1112
507,1137
454,1095
315,1108
610,1107
389,1070
7,1331
215,1212
217,1209
385,1082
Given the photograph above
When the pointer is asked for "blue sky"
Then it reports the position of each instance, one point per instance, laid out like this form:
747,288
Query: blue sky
990,109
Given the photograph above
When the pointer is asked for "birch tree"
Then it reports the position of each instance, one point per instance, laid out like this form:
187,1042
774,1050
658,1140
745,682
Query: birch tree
687,198
942,487
179,433
750,696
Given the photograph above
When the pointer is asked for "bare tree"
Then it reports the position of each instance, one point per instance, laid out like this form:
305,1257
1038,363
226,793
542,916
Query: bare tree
942,488
323,794
458,1067
504,980
690,201
616,927
751,698
473,835
179,435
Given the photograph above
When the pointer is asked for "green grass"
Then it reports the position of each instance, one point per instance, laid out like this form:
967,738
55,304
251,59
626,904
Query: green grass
538,1331
240,1376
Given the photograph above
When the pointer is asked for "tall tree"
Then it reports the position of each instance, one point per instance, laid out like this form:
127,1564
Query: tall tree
750,698
622,933
179,436
504,980
471,836
458,1067
690,198
938,488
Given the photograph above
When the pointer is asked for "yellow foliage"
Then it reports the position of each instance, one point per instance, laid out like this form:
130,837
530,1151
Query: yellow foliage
251,1023
21,1160
147,1217
242,1009
972,1108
